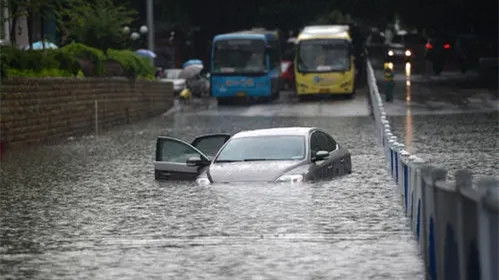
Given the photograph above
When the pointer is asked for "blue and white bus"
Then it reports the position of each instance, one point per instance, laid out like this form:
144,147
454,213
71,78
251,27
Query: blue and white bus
245,64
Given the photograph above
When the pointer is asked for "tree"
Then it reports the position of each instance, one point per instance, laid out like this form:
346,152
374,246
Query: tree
96,23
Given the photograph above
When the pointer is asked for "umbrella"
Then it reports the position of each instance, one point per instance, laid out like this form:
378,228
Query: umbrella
192,62
145,53
190,71
41,45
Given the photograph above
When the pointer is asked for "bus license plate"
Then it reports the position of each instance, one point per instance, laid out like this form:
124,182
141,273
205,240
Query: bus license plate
241,94
323,90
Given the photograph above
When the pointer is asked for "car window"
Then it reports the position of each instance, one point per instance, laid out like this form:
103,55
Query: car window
170,150
264,148
397,39
172,73
330,143
412,39
320,141
317,142
210,145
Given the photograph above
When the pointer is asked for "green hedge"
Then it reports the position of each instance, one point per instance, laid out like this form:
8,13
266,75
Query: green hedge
71,60
42,73
133,65
38,63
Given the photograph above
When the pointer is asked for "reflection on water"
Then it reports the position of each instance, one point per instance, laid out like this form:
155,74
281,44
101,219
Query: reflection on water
408,120
408,130
407,69
408,81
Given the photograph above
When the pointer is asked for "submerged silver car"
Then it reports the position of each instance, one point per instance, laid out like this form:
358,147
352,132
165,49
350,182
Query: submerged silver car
291,154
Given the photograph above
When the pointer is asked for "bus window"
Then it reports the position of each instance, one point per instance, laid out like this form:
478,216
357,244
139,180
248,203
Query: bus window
239,56
323,55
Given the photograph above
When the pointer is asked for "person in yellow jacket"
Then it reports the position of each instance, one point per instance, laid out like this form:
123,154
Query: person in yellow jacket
390,82
185,94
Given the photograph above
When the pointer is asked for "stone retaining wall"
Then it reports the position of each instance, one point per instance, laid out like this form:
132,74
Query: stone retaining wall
49,109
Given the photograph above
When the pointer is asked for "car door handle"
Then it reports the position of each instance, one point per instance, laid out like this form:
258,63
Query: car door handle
330,166
342,160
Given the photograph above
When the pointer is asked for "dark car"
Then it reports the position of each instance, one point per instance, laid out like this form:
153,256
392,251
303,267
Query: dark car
292,154
403,47
438,52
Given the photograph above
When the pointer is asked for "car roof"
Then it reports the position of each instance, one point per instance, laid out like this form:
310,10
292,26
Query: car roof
299,131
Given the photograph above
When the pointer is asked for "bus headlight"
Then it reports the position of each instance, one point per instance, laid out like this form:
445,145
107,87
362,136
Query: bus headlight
408,53
390,53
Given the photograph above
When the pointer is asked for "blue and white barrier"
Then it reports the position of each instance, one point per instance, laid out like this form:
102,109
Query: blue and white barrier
455,223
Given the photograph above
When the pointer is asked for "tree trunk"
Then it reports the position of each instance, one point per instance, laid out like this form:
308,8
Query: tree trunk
13,29
42,31
30,19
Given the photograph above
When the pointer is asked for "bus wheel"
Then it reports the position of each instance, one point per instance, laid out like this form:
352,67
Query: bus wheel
275,95
222,101
303,98
351,95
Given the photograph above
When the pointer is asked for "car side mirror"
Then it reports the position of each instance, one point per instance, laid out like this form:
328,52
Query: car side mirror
196,161
320,155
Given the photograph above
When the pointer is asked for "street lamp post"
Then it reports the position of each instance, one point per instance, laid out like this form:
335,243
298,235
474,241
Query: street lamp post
134,35
150,25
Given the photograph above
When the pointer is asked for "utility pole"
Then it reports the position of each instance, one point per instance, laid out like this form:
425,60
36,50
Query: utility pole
150,25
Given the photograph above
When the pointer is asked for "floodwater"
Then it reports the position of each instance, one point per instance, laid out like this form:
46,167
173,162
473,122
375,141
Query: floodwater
90,208
450,121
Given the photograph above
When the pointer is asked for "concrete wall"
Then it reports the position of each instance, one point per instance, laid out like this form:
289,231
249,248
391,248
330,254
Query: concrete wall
49,109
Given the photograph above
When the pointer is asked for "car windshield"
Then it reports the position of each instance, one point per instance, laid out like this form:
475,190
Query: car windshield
263,148
398,39
324,55
239,56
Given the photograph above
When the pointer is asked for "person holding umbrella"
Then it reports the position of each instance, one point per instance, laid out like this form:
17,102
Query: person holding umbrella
195,83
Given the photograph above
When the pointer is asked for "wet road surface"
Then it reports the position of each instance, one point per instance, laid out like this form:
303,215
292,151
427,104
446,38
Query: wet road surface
449,120
90,207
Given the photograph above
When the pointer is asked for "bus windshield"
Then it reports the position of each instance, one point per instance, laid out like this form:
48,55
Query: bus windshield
323,55
239,56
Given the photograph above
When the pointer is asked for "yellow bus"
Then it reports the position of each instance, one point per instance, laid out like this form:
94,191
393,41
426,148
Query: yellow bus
324,61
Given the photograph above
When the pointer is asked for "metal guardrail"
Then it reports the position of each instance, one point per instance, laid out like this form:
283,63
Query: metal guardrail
455,223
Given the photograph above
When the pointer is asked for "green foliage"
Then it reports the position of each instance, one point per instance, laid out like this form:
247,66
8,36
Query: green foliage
37,60
82,52
66,61
30,59
96,23
70,61
53,72
133,65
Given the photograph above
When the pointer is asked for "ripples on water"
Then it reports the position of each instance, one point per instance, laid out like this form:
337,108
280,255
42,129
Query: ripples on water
91,209
455,141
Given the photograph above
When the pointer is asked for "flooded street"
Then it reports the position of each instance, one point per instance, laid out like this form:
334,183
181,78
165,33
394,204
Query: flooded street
451,120
90,207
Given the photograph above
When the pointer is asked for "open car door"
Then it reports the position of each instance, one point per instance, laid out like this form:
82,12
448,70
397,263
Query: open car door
171,159
172,156
210,144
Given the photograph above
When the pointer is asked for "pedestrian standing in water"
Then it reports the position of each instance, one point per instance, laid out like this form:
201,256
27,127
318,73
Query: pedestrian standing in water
390,84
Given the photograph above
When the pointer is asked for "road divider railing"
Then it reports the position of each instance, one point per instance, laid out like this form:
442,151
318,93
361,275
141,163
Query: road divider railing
455,222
